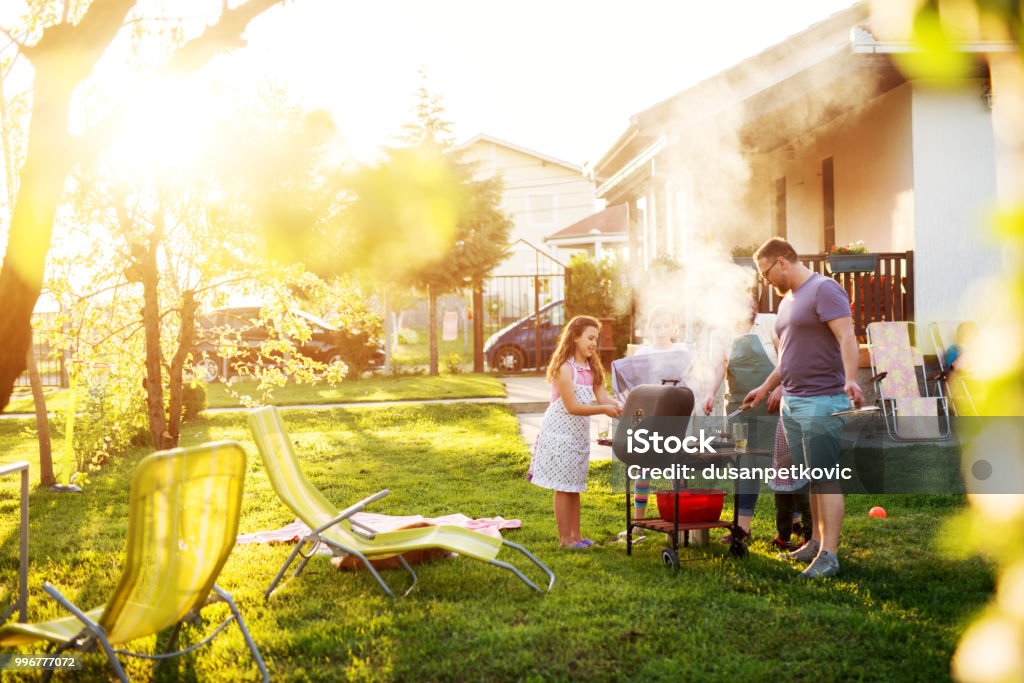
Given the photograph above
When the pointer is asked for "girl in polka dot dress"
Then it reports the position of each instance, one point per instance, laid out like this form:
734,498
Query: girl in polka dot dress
562,453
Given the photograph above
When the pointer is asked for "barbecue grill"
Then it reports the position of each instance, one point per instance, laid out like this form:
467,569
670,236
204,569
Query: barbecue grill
669,400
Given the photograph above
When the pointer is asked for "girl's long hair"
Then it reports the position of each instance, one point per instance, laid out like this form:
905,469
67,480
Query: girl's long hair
566,347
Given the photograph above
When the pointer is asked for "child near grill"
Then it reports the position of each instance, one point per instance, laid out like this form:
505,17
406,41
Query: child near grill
792,501
561,456
660,330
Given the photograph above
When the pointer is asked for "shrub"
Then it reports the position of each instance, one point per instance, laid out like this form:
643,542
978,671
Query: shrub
453,362
742,251
361,331
193,400
599,289
110,418
406,369
357,349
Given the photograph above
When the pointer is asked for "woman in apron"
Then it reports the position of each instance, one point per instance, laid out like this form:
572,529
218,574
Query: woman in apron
744,362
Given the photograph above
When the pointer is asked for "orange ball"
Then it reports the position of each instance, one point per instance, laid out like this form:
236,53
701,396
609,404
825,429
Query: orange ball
877,512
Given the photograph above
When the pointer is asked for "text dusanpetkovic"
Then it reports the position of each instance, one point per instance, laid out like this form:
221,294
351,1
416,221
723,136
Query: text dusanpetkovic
765,474
642,441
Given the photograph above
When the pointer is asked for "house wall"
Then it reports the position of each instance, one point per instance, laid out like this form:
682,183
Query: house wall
873,180
594,247
539,196
954,187
914,170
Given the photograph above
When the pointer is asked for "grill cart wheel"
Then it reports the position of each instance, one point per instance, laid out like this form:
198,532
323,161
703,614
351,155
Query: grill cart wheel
670,558
738,549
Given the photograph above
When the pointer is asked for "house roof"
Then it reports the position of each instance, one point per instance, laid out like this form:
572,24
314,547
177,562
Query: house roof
483,137
611,221
866,42
781,62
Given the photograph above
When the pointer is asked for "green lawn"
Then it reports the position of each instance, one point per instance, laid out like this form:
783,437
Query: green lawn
367,390
895,613
419,353
21,400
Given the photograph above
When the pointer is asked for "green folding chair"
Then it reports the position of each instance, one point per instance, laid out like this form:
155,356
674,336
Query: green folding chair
344,536
182,524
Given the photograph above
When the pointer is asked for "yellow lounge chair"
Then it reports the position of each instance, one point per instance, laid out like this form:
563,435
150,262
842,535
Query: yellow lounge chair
182,524
345,536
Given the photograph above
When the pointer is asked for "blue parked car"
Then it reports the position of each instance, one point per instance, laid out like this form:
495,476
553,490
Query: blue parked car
514,348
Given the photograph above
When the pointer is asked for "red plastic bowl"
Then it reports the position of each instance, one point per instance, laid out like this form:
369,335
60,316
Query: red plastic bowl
695,505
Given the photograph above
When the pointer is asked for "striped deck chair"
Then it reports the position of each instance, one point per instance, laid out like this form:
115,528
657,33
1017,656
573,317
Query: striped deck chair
908,415
183,519
343,536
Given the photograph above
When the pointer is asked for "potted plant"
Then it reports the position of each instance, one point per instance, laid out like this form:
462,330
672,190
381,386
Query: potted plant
851,258
743,256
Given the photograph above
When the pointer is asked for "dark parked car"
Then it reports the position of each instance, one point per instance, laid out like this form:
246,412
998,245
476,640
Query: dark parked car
242,326
513,348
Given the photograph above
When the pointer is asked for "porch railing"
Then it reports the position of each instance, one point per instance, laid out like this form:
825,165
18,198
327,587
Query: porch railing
886,294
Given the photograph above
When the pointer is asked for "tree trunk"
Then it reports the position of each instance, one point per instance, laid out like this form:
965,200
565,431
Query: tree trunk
175,381
432,329
46,477
153,381
21,275
389,328
62,58
478,326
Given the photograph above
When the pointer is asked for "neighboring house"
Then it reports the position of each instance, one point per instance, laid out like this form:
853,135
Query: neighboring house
604,233
541,195
819,139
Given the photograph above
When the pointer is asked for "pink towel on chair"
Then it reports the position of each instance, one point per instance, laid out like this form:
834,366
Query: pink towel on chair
291,533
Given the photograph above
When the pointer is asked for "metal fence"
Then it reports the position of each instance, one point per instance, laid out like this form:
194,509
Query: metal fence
532,308
50,363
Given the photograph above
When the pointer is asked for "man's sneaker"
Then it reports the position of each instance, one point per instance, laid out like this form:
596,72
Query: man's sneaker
825,565
805,553
637,536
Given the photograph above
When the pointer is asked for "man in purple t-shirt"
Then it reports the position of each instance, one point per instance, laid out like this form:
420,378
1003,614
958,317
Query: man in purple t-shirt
818,372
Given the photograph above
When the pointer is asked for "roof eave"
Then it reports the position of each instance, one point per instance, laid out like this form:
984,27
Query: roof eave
636,162
484,137
863,42
604,238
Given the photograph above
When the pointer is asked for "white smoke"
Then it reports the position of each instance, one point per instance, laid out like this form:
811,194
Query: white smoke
720,167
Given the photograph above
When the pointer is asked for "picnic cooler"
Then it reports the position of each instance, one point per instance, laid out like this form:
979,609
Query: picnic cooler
697,511
690,505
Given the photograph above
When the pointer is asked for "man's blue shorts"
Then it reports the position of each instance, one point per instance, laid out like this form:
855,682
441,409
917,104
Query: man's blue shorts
814,435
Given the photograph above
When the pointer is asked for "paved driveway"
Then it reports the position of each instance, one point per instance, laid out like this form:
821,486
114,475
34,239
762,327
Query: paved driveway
532,394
